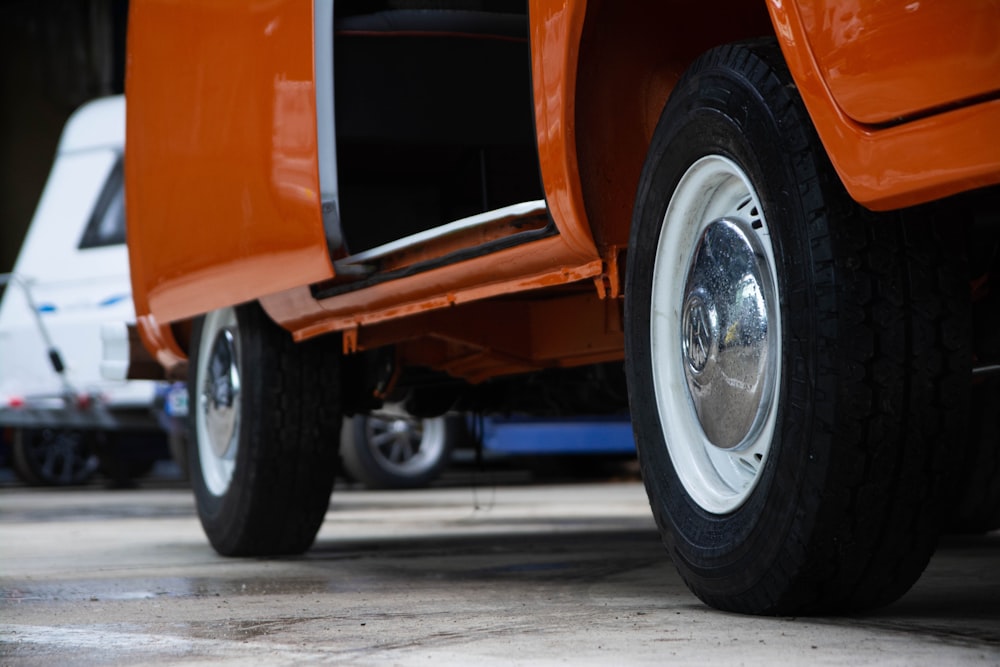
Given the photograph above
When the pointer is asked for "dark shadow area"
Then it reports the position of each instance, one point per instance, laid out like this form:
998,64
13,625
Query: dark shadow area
956,601
54,56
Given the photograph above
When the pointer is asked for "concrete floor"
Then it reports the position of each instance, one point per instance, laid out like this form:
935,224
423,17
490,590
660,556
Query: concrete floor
564,574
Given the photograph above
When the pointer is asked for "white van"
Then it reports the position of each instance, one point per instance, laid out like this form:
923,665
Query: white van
71,276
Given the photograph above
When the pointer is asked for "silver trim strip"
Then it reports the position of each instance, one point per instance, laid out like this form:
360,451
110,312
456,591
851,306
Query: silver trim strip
986,370
521,210
325,122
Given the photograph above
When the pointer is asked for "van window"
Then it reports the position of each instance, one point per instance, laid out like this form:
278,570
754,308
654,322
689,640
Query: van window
107,223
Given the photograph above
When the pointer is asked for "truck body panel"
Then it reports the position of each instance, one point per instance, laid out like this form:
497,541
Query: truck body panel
223,167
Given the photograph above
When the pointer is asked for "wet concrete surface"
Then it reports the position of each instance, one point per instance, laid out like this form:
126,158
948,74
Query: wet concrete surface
495,574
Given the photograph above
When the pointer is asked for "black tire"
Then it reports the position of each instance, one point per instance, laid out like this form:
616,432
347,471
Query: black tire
53,456
270,406
393,450
817,485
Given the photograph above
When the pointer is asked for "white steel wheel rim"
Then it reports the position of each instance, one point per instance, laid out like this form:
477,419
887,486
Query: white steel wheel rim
219,398
405,445
719,472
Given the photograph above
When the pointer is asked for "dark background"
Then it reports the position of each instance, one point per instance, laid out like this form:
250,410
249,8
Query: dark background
54,56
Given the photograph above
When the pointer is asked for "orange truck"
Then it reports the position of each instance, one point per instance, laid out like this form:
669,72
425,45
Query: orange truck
766,227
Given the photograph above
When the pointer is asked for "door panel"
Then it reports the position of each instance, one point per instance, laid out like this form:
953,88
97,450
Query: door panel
228,126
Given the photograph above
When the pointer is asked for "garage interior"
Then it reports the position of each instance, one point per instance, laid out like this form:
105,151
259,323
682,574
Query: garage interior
54,56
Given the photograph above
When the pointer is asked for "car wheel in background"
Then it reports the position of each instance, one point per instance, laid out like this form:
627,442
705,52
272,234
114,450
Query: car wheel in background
390,449
53,456
264,427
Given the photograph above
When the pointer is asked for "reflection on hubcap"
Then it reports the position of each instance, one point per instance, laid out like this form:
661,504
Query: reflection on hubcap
725,338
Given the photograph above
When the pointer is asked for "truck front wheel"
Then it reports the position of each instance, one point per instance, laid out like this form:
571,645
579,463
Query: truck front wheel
795,363
265,424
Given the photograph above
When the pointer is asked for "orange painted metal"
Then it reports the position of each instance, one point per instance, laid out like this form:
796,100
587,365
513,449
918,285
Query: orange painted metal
556,28
160,341
506,335
544,263
233,211
908,163
222,169
897,59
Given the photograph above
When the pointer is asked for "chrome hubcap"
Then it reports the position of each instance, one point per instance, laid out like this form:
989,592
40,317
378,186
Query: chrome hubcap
221,394
219,383
725,341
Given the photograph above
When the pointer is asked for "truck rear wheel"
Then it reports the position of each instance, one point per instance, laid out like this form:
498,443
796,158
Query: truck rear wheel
794,362
265,423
